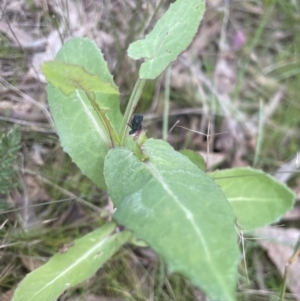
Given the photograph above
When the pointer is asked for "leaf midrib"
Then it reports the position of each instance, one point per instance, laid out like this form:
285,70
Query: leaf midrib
95,122
160,179
77,262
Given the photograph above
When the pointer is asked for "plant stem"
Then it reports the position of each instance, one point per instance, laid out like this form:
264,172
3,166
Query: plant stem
291,260
132,103
259,134
166,103
253,44
283,286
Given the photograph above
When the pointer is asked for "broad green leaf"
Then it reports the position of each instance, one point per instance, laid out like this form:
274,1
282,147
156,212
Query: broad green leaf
69,78
172,34
83,128
171,204
196,158
78,263
257,199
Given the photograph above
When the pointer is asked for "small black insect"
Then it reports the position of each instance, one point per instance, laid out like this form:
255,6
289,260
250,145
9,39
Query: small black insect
136,123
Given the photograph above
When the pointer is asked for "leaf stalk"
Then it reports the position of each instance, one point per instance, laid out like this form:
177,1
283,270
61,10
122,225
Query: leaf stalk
132,103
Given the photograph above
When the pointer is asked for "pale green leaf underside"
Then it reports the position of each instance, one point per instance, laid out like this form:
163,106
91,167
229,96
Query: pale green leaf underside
172,34
65,270
179,211
68,78
257,199
80,130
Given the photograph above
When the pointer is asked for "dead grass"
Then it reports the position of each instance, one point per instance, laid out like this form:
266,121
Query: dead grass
245,51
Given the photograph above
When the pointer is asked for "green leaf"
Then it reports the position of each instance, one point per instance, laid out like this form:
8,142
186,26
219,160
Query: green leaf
86,121
257,199
171,35
171,204
69,78
65,270
194,157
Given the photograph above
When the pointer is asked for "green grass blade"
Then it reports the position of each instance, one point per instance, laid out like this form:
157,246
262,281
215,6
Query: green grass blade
10,144
260,134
